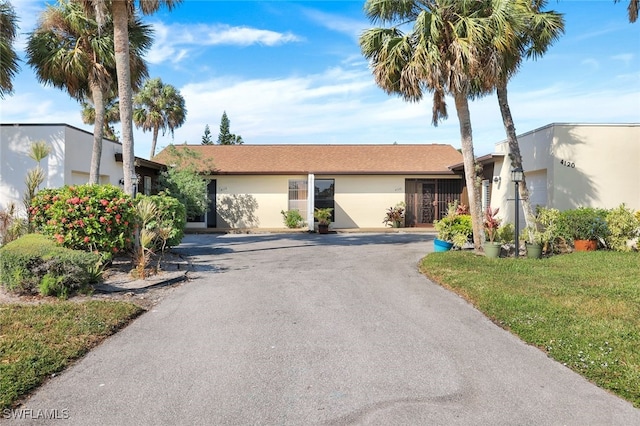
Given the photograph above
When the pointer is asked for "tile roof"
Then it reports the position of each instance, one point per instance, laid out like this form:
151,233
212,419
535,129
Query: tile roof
321,159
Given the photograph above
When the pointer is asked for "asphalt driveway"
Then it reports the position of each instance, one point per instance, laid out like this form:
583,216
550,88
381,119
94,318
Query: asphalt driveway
319,329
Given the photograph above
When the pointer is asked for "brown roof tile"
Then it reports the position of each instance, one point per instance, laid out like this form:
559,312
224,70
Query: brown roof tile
322,159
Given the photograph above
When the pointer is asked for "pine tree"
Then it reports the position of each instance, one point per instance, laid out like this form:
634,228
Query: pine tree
225,137
206,138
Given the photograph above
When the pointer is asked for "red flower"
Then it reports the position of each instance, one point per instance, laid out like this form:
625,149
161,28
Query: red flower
104,202
87,239
102,219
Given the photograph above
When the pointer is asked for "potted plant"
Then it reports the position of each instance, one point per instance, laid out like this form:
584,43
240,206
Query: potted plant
323,216
584,226
453,230
491,224
540,237
395,216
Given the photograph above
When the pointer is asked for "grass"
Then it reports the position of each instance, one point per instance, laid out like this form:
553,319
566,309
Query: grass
37,341
582,309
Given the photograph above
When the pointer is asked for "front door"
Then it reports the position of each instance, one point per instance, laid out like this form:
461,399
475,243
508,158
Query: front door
428,201
211,214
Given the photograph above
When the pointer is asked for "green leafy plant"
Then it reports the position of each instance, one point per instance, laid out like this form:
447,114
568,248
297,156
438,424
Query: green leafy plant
506,233
623,226
323,215
455,227
583,223
292,219
169,221
85,217
545,231
35,263
394,216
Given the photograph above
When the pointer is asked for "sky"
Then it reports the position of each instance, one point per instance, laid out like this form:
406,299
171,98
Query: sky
291,72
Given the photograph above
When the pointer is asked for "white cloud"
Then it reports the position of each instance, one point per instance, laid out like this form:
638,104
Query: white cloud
175,41
351,27
626,58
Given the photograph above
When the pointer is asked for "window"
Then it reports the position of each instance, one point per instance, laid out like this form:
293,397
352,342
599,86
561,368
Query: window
324,192
147,185
298,194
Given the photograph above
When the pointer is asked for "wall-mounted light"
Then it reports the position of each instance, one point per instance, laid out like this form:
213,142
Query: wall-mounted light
497,179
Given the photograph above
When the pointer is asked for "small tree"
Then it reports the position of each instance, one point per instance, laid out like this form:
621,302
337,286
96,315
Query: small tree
182,181
38,151
225,137
206,138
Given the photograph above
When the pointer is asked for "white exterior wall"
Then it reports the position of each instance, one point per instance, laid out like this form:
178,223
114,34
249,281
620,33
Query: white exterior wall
257,201
603,167
68,163
362,201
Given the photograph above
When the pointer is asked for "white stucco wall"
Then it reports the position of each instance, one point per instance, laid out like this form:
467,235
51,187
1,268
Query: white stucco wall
594,165
68,162
256,201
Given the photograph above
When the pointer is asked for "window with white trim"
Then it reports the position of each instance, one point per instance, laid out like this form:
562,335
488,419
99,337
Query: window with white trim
298,194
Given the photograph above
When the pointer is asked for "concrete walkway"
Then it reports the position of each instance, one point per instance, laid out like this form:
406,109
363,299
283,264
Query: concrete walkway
319,329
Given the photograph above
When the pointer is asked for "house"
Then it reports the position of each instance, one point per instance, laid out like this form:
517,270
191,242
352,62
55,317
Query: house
568,166
68,162
250,185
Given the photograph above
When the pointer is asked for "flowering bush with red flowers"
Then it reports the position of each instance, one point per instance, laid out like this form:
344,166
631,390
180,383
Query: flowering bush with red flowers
85,217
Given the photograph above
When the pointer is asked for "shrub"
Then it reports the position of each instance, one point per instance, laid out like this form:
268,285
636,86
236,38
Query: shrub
623,226
86,217
506,233
583,223
168,222
394,216
34,263
292,219
11,226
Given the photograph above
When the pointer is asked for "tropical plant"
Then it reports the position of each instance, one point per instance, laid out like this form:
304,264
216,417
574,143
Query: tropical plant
69,51
122,13
544,230
633,7
441,52
394,216
623,226
85,217
491,223
37,152
323,215
527,32
225,137
456,226
111,115
11,226
158,106
292,218
8,31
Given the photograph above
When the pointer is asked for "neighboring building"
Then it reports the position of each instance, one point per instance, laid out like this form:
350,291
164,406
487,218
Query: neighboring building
570,165
67,164
250,185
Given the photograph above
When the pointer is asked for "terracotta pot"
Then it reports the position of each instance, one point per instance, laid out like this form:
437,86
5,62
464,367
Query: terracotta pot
585,245
323,229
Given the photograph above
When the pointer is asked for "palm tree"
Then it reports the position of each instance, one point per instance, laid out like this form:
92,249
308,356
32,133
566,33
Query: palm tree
158,106
533,32
633,7
442,53
9,63
111,115
122,11
68,51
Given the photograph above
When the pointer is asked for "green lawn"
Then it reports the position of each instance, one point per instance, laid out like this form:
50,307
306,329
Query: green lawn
39,340
582,309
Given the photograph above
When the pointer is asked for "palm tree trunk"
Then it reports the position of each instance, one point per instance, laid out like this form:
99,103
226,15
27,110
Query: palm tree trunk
121,45
470,171
98,131
514,152
153,143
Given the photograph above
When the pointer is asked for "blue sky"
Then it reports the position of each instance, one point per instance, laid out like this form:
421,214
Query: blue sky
292,72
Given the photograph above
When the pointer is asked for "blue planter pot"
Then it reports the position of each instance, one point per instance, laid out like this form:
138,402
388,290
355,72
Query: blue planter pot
439,245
